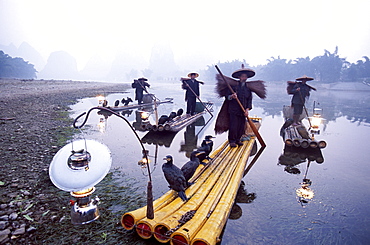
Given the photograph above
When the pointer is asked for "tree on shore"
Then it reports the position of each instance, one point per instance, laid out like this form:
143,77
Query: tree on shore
15,67
328,68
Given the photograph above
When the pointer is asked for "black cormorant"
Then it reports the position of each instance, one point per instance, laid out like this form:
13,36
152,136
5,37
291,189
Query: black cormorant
188,169
180,112
163,119
172,115
207,147
126,101
116,103
174,177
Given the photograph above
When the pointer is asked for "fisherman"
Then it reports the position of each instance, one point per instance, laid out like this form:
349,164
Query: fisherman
140,85
300,91
192,91
236,115
237,104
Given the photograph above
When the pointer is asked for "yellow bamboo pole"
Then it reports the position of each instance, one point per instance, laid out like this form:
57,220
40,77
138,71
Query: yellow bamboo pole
145,227
130,219
207,192
190,229
210,232
215,180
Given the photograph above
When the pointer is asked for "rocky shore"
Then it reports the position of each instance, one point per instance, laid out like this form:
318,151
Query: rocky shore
34,125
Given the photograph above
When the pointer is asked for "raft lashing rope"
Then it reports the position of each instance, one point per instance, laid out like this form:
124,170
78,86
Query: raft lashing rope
184,218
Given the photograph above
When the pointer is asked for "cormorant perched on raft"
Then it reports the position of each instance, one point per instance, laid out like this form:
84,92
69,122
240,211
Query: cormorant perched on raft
116,103
180,112
172,115
188,169
207,147
163,119
174,177
126,101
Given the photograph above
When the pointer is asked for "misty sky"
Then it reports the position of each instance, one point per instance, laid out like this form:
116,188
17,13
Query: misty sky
202,31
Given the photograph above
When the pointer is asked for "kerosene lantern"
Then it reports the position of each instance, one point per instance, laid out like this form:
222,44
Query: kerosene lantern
316,120
77,168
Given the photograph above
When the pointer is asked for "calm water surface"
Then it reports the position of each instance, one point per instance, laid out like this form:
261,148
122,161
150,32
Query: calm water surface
268,210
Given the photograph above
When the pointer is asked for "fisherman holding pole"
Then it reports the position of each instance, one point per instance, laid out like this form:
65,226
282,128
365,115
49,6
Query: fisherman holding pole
140,85
237,104
300,91
191,85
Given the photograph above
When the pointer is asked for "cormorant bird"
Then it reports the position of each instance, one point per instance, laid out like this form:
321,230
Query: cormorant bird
174,177
172,115
180,112
163,119
126,101
188,169
116,103
207,147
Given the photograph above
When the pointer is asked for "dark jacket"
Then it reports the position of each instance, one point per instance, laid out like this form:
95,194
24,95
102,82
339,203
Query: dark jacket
299,97
194,85
245,97
140,87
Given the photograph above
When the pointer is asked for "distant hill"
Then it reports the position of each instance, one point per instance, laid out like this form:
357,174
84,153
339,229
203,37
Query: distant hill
60,65
26,52
95,69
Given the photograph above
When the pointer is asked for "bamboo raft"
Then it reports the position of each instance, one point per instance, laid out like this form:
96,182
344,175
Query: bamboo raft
137,106
298,136
179,122
201,219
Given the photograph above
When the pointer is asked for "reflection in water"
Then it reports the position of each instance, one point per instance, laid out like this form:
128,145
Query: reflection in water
102,124
241,197
105,113
291,158
305,193
141,123
126,113
163,138
190,140
337,103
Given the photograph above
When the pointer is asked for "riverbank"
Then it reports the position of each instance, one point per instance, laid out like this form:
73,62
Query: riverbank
35,124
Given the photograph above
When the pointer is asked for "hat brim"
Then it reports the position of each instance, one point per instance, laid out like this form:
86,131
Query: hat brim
196,74
238,73
304,78
142,79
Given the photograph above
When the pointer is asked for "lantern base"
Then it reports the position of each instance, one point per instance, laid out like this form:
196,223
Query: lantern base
84,210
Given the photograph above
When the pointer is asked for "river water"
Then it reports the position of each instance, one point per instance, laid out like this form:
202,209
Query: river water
267,210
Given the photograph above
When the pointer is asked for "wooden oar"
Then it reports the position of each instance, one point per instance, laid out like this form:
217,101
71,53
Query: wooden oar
197,97
253,127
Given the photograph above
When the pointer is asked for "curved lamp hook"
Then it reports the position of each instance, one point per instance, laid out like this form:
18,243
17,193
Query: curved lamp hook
150,210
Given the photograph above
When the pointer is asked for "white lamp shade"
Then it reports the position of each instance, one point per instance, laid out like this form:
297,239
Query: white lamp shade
68,179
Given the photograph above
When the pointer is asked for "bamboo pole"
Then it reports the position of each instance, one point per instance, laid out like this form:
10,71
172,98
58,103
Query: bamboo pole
198,98
189,230
210,231
171,221
254,129
145,226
